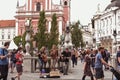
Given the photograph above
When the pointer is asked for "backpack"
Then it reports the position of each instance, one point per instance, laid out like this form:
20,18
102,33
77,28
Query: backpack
14,60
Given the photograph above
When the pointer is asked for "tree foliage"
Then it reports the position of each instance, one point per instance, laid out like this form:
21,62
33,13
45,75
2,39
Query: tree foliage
77,38
20,40
17,40
54,34
41,36
23,40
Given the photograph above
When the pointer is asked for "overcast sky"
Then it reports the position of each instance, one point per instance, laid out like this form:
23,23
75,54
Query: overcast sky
81,10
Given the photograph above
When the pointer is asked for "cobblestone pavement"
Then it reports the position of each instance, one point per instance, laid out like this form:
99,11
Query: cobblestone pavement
74,74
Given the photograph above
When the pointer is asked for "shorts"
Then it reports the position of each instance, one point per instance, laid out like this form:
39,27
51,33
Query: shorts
99,73
12,64
19,68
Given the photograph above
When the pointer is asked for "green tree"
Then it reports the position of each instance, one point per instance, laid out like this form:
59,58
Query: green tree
77,38
41,35
23,40
53,36
17,40
20,39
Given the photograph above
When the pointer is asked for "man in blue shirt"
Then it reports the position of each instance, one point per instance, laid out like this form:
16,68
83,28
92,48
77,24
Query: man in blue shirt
99,61
4,61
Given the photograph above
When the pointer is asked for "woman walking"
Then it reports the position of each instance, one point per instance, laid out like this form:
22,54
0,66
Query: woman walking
92,56
87,68
74,58
19,57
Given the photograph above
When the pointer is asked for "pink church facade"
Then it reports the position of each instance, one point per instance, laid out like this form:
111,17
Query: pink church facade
32,8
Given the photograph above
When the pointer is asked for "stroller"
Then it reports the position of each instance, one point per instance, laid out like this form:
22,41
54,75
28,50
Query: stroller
115,72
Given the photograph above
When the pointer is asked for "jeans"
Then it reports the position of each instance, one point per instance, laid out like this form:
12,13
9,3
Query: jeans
65,68
3,72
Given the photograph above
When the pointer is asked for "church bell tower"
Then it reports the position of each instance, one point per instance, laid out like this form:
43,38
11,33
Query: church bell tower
67,9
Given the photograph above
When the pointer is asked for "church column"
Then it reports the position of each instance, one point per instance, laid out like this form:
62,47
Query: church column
50,4
30,5
60,28
49,26
35,7
16,28
46,4
26,5
41,6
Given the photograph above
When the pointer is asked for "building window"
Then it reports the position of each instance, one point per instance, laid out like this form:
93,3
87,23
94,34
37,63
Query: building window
119,20
103,23
8,31
21,31
106,22
2,36
65,3
98,23
2,43
118,32
8,36
14,32
2,30
38,6
13,35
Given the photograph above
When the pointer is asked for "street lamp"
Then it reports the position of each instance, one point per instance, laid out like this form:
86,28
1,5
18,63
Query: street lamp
115,40
114,61
114,33
27,37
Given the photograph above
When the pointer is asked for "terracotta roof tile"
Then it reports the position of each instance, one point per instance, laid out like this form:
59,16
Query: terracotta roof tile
7,23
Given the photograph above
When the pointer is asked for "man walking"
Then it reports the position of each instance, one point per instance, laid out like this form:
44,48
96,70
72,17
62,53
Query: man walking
4,61
99,61
66,56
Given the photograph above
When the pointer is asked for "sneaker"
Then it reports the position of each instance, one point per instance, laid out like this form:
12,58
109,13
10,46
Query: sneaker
12,78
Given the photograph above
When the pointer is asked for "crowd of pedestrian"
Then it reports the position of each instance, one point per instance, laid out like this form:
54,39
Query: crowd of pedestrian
95,61
58,59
